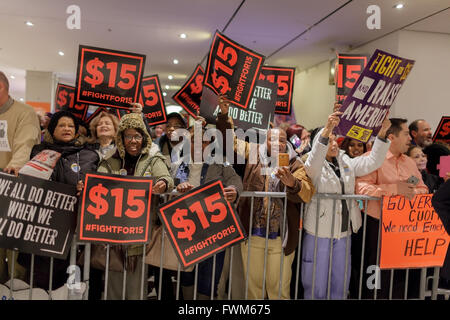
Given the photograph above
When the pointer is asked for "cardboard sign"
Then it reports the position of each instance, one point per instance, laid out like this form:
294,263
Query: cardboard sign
108,77
347,70
115,209
95,113
232,70
284,77
443,166
201,223
190,94
42,164
65,100
442,133
258,115
412,235
371,97
152,101
38,216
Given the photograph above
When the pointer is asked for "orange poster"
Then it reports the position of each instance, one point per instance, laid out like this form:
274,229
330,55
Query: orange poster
412,235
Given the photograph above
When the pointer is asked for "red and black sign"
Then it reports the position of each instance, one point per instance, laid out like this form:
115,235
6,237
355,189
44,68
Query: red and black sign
190,95
201,223
284,77
108,78
115,209
95,113
442,133
65,100
152,101
232,70
347,69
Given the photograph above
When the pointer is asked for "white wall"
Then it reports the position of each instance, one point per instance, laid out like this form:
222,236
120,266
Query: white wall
425,94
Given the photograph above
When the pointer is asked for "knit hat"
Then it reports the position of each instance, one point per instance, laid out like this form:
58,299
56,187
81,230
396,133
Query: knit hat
58,115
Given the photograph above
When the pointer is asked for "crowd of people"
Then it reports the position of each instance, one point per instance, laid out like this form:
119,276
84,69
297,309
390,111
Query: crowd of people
322,163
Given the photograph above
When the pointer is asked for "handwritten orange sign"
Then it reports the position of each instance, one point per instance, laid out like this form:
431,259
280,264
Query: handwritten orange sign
412,235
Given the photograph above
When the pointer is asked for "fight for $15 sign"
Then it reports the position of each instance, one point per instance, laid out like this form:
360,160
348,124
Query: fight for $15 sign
367,104
108,77
190,94
201,223
65,100
412,235
232,70
115,209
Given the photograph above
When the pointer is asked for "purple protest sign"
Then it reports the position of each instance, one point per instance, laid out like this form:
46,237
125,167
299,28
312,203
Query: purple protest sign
367,104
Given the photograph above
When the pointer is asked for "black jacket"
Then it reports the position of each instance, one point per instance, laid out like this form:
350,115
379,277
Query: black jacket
441,203
73,155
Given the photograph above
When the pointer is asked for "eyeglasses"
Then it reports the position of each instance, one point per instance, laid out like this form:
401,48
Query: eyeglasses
136,137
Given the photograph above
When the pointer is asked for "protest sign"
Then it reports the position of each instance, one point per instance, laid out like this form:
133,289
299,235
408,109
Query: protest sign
65,100
95,113
232,69
443,166
374,92
442,133
284,77
152,101
108,77
347,70
412,235
115,209
42,164
190,94
259,113
201,223
39,216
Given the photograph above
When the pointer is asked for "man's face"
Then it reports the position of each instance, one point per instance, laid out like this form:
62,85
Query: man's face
423,136
402,141
172,125
277,139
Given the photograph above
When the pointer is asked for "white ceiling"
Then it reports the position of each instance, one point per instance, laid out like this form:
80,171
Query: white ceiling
152,28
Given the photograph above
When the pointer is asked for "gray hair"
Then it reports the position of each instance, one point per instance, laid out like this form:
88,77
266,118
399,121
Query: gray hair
4,79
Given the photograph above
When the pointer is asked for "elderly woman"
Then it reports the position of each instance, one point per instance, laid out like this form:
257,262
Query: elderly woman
76,160
103,132
333,171
136,155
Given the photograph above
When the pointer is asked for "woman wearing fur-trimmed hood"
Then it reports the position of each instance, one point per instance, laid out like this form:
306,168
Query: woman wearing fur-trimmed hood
136,155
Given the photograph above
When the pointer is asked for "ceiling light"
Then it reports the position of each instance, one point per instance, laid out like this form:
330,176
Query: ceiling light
170,77
21,99
167,87
29,23
183,36
61,53
175,61
12,77
164,94
399,6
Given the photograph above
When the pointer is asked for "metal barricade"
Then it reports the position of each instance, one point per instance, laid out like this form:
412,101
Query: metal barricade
231,288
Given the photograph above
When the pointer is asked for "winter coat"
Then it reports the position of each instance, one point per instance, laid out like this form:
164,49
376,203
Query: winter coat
150,163
75,155
76,160
325,180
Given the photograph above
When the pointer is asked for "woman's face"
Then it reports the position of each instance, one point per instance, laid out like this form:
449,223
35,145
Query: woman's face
159,130
65,130
132,140
355,148
105,128
419,157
